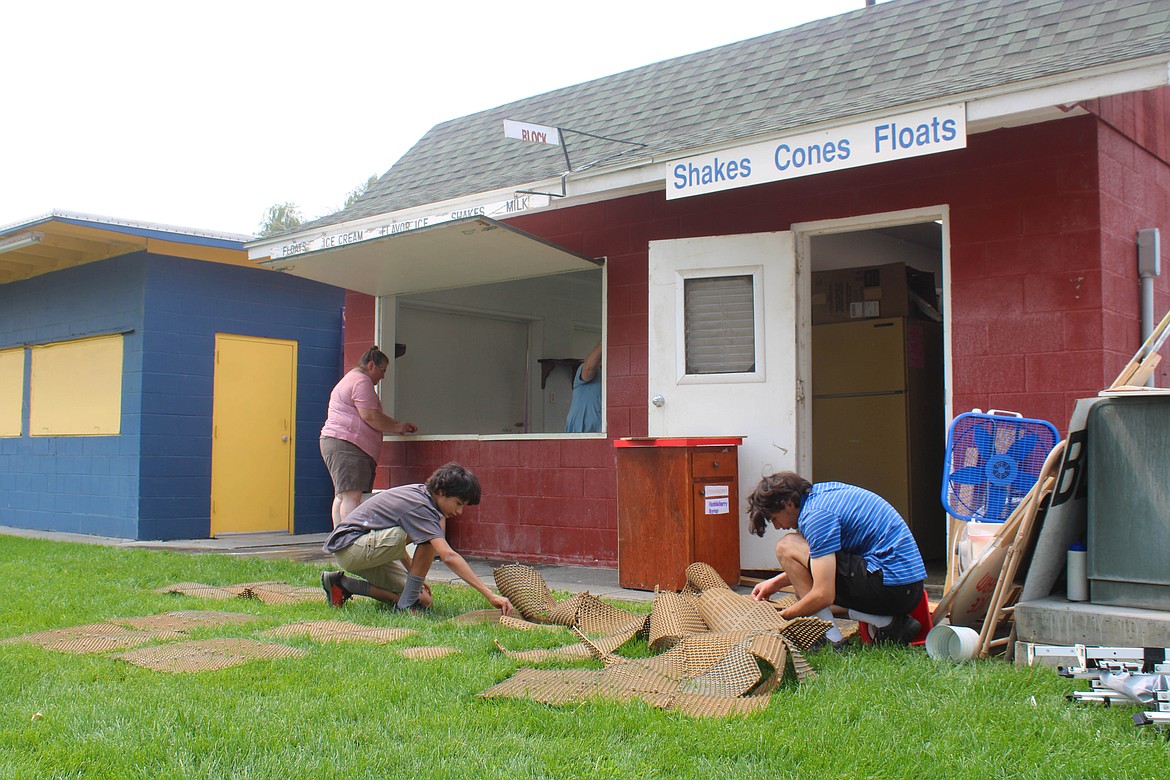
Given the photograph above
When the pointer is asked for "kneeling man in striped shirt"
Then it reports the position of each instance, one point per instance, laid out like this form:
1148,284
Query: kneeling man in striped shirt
851,548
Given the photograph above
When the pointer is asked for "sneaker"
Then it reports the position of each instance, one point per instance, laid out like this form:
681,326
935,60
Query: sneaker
901,631
839,646
335,594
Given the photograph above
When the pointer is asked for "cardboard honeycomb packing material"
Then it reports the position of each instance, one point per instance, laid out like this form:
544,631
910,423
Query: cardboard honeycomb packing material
95,638
207,654
724,652
266,592
338,631
432,653
526,589
185,620
674,616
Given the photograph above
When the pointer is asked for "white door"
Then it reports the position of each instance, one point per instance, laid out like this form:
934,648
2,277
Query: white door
734,299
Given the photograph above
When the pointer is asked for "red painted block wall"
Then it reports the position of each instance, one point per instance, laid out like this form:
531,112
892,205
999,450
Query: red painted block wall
1133,151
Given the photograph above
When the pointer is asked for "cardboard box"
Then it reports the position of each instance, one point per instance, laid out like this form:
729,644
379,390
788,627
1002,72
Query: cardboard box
867,292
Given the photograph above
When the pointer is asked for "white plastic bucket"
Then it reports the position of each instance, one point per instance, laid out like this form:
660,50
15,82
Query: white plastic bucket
952,643
973,541
981,535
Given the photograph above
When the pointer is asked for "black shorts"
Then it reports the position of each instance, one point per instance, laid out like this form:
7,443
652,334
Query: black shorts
863,590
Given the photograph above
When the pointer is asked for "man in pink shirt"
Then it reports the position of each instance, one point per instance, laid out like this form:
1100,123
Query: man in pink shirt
351,438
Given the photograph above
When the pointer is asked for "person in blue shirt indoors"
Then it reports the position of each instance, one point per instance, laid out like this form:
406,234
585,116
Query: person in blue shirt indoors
849,548
585,407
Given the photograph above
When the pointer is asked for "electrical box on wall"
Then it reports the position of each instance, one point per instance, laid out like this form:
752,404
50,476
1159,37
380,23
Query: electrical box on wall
1149,246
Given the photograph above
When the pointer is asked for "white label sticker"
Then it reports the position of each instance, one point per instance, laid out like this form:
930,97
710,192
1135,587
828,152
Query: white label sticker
717,506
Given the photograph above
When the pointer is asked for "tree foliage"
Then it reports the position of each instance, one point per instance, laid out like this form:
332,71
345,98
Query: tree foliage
360,190
280,217
286,216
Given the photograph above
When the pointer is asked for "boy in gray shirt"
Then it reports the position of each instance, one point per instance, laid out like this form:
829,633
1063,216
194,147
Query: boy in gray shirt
371,543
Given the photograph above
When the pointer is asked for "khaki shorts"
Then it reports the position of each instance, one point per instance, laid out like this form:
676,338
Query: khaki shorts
377,557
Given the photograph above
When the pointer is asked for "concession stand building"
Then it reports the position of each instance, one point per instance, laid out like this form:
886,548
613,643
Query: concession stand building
828,241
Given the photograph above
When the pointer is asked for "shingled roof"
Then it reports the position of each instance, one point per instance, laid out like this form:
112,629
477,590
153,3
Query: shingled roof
874,59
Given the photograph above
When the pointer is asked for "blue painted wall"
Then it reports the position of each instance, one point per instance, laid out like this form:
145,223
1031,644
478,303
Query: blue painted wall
154,480
79,484
187,303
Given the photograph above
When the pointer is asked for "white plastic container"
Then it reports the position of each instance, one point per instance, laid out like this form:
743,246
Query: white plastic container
1077,585
974,540
952,643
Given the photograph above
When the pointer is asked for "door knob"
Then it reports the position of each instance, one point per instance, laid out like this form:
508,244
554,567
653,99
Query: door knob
284,438
658,401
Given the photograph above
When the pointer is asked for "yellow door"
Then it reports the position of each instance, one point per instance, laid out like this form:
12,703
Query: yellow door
253,434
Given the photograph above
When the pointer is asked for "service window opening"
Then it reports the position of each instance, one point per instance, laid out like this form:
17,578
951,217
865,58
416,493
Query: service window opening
472,356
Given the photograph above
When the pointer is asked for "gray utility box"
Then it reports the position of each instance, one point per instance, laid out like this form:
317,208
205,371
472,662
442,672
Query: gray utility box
1129,502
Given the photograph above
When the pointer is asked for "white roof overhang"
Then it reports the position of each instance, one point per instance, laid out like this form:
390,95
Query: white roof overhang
1049,98
457,253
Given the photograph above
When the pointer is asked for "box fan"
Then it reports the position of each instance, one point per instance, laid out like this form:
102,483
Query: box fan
992,461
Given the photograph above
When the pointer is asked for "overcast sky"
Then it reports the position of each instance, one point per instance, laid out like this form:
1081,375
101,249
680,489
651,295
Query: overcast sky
205,114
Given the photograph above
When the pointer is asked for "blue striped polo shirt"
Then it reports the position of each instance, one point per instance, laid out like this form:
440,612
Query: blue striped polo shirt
836,517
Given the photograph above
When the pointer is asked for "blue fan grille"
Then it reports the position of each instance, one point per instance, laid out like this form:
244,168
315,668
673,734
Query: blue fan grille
992,462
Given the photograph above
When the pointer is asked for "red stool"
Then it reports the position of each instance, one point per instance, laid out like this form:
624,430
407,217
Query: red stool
921,613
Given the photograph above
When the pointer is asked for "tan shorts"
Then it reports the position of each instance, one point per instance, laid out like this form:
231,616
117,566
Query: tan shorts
377,557
350,467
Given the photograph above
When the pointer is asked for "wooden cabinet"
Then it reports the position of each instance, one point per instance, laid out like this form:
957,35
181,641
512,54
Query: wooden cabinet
677,502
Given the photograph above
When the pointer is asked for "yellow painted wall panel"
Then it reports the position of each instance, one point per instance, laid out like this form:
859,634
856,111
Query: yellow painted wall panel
57,408
11,391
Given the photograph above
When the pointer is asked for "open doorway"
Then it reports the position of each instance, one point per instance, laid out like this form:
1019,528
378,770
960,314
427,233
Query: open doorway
876,387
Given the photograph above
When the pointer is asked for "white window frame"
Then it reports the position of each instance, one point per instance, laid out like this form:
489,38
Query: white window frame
386,310
759,374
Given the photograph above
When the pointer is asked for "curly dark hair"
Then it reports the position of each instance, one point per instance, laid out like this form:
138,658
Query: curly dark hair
773,494
453,480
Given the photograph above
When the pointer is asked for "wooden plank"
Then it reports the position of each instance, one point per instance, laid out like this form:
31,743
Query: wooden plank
1006,588
1151,345
1145,369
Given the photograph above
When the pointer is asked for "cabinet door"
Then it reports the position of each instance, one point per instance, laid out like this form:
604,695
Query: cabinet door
717,527
655,539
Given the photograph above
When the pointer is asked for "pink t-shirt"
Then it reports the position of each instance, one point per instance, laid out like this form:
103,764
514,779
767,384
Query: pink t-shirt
354,391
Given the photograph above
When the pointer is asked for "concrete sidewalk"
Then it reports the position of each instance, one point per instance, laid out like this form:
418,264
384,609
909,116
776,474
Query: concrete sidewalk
599,581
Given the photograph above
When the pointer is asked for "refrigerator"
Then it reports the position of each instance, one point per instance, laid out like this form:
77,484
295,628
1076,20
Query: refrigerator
878,416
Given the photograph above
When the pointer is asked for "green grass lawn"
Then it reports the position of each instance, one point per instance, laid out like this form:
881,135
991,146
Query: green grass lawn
358,710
